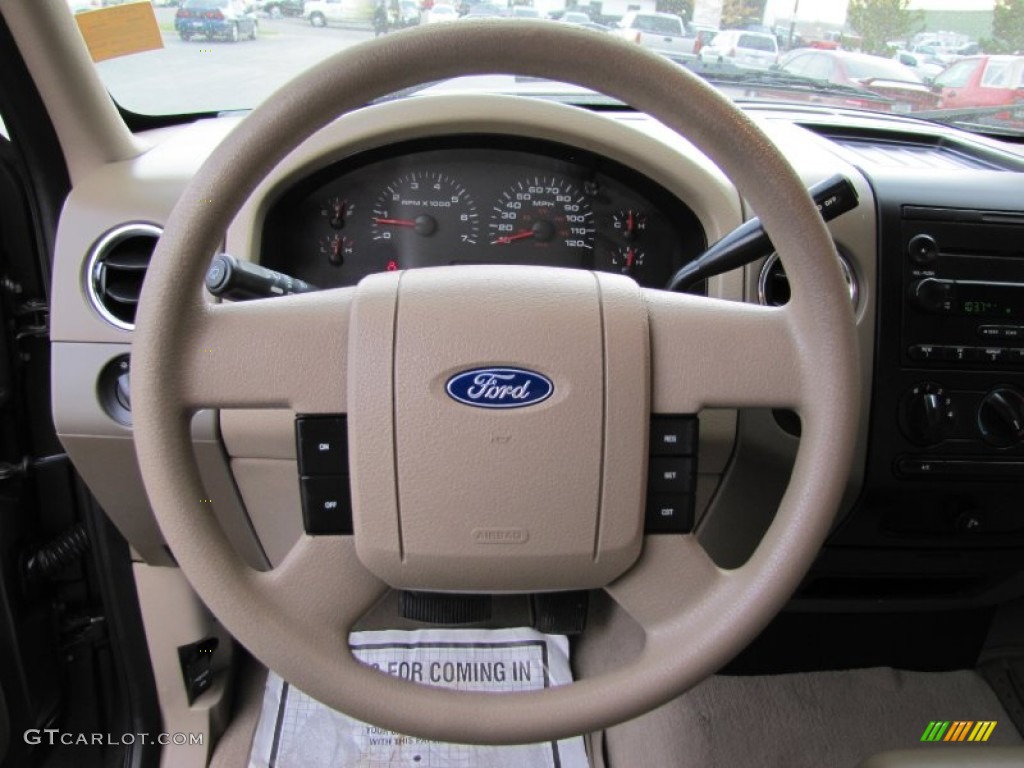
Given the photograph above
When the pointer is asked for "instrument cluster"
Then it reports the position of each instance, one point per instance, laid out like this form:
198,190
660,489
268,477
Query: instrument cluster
477,200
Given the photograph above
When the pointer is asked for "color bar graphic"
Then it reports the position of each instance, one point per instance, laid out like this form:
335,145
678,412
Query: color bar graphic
935,731
958,730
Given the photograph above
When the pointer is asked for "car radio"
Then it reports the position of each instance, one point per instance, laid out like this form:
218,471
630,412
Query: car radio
962,325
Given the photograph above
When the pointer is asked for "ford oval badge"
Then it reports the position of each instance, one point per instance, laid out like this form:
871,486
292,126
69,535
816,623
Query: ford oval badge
499,387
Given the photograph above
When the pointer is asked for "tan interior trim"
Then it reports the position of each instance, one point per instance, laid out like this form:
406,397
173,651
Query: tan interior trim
89,127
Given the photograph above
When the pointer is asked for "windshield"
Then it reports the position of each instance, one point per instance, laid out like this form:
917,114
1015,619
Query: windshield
959,60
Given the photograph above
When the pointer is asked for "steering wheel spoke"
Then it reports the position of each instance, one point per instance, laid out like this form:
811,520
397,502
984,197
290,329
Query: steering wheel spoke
708,353
671,579
323,583
284,352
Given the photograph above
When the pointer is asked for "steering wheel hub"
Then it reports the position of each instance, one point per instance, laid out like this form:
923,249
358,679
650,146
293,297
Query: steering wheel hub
451,497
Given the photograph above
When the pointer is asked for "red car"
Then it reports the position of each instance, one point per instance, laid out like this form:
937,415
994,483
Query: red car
884,77
981,81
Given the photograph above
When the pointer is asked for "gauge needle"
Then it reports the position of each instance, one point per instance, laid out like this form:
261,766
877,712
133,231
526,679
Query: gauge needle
630,257
629,223
506,239
396,222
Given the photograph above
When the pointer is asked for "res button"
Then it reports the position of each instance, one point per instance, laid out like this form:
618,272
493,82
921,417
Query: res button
673,435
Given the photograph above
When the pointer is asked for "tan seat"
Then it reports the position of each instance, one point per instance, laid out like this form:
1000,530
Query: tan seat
951,755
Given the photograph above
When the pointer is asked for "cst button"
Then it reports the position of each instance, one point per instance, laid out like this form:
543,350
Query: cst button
669,513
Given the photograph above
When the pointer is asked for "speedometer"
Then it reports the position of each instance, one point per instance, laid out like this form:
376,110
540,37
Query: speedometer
543,212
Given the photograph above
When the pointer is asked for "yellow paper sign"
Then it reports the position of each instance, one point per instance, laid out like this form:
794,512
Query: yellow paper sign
120,30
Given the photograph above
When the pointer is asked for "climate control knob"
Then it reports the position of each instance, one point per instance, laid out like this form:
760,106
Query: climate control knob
1001,417
928,414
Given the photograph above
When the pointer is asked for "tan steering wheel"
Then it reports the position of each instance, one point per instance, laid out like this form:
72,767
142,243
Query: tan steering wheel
614,352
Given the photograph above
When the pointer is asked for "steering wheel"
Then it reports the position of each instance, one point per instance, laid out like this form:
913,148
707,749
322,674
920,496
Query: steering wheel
382,352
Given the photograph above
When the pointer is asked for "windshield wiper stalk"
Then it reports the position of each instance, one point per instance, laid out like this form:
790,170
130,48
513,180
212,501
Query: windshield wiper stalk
749,242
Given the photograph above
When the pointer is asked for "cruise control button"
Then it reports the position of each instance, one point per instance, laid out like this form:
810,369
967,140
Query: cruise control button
322,445
670,474
673,435
326,505
669,513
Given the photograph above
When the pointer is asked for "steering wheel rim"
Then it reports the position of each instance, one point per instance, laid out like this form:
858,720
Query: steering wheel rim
189,353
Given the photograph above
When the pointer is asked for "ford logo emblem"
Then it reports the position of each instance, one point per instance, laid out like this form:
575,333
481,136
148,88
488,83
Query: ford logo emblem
499,387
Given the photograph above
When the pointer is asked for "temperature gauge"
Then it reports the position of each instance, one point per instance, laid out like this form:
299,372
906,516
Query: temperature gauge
336,248
337,211
629,223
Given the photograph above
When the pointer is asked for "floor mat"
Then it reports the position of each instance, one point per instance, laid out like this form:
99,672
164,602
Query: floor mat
808,720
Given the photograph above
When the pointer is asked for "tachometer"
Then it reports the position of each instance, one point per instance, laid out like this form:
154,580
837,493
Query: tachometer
422,206
543,212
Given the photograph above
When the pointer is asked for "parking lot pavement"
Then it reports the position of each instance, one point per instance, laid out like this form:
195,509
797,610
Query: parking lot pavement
206,76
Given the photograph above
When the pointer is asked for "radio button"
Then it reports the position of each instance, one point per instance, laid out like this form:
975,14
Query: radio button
963,354
926,352
932,295
1016,356
994,355
922,249
1000,331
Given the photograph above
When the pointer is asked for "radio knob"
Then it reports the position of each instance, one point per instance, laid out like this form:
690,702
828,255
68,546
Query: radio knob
922,249
928,414
1001,417
932,295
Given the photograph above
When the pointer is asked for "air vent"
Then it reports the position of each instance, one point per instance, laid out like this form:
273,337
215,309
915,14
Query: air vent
117,267
773,285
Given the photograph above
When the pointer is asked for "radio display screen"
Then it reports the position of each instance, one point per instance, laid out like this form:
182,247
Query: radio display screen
1004,300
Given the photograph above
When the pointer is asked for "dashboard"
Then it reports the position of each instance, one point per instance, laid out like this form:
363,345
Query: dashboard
483,179
478,200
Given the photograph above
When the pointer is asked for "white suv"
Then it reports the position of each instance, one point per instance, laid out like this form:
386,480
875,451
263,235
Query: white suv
746,50
320,13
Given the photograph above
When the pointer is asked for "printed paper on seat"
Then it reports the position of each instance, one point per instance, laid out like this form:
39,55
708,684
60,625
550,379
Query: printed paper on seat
296,731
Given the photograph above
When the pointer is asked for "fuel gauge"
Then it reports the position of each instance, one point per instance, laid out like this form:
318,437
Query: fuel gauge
336,248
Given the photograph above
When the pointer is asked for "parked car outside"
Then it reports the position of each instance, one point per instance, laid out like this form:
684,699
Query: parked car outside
277,8
741,49
485,11
981,81
320,13
441,12
526,12
409,14
575,17
925,65
873,73
211,19
663,33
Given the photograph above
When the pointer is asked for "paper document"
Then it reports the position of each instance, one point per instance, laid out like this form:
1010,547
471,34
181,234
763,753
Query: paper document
296,731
